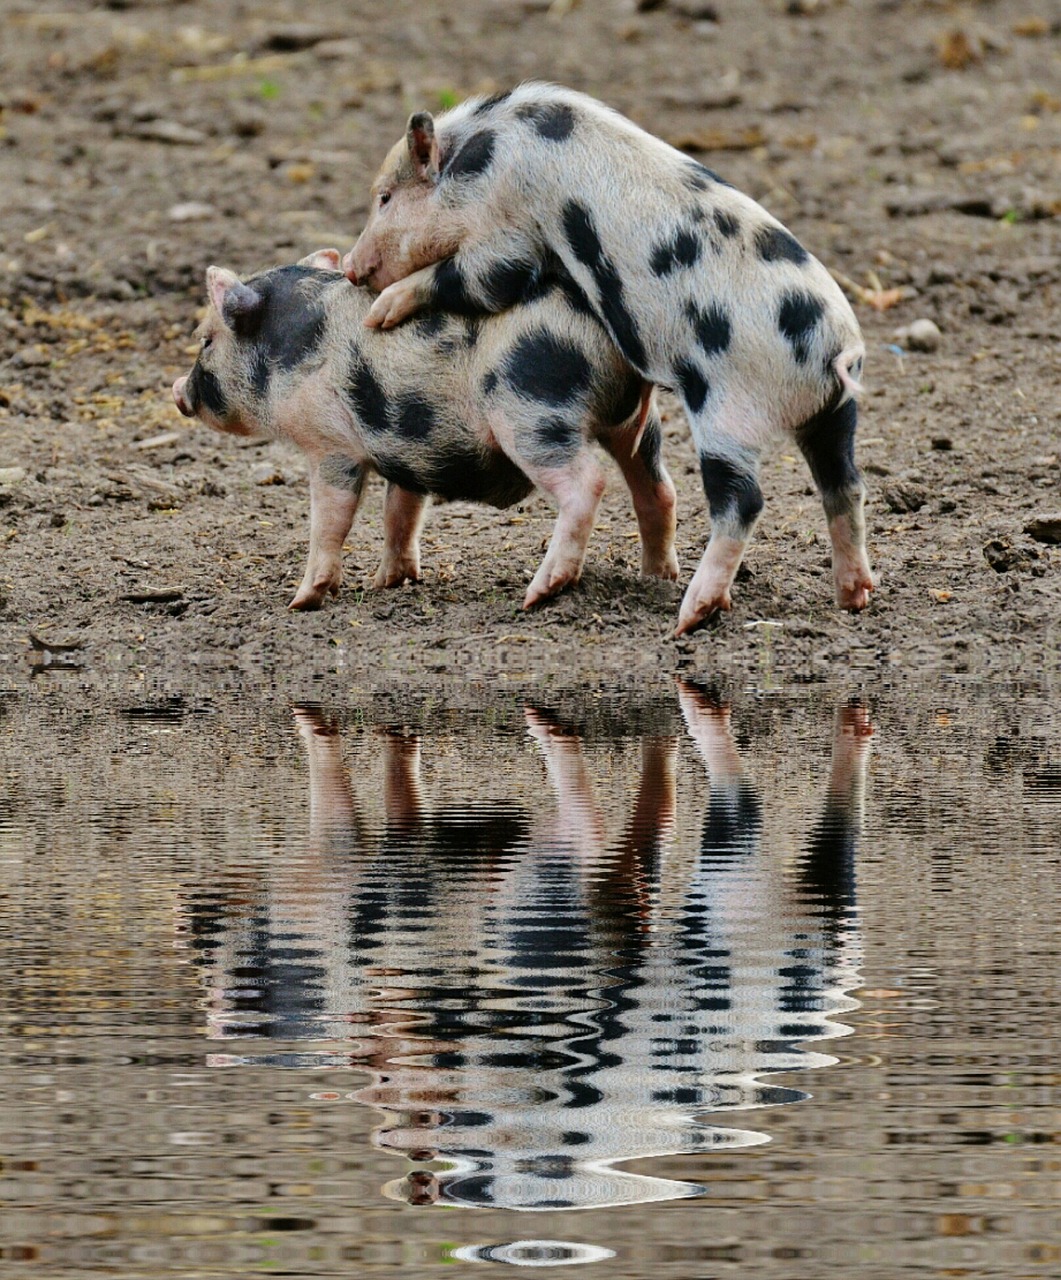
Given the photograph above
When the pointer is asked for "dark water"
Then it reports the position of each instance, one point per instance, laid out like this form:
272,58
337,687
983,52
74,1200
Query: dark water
663,988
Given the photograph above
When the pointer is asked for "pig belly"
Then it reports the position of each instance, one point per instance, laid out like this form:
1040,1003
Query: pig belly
458,475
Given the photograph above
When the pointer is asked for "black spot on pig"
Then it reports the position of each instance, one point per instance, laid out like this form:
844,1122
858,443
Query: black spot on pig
429,324
398,472
682,250
490,381
797,316
472,158
731,490
261,371
726,223
488,104
711,327
416,418
552,120
774,244
544,367
692,384
651,448
507,283
292,322
367,397
472,476
448,290
203,389
700,178
575,298
458,475
581,235
827,441
552,441
342,472
620,400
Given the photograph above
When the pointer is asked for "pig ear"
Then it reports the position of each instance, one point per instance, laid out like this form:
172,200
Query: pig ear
423,145
322,260
233,299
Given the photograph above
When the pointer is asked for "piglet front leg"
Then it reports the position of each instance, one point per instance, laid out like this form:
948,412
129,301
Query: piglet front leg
335,486
403,517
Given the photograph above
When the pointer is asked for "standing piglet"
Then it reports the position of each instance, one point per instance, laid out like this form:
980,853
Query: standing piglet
481,409
701,289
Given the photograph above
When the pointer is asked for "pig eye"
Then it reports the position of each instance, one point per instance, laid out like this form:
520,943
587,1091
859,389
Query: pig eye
206,343
384,198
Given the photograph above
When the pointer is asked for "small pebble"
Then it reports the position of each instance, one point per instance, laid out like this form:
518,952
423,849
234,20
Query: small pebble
191,211
265,473
922,335
942,444
12,475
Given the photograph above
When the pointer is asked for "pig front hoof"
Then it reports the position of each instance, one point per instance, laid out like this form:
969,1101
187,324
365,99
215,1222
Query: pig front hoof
694,614
395,575
311,595
396,303
544,587
665,567
854,596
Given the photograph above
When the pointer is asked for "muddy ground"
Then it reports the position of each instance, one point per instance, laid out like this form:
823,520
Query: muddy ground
914,147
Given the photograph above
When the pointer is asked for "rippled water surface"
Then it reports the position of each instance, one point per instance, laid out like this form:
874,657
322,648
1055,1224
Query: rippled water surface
660,987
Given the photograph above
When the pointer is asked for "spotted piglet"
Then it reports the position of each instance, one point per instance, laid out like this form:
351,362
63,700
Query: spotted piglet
702,290
455,407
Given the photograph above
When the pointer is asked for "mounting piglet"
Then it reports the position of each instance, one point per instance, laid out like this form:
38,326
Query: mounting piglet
702,290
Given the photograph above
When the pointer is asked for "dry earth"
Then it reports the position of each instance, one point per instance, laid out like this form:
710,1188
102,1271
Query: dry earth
915,147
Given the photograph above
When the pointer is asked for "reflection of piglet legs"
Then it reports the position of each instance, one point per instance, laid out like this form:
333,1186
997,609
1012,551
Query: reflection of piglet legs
580,823
403,517
708,723
332,809
331,513
851,747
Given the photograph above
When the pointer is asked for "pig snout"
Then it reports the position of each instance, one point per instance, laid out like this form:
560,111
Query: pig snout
354,269
181,399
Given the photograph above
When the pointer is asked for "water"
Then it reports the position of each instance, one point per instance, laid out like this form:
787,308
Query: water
658,987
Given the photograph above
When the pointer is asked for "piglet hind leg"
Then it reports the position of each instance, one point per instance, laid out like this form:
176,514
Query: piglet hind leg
828,443
636,450
335,487
403,518
730,477
577,489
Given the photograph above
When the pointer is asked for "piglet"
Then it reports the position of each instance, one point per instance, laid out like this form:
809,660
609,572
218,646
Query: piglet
450,407
699,286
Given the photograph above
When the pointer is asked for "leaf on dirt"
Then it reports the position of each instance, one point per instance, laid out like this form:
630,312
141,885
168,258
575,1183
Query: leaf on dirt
875,296
153,595
1045,528
719,139
1043,101
958,49
941,596
1031,28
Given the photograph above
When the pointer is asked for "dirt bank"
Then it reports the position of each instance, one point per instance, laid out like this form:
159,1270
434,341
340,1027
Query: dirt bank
916,148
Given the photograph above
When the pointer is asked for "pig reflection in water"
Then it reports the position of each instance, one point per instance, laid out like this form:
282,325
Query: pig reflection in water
534,1004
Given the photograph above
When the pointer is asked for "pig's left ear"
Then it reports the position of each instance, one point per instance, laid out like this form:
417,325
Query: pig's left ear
423,145
233,299
322,260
